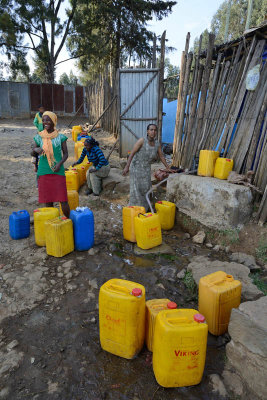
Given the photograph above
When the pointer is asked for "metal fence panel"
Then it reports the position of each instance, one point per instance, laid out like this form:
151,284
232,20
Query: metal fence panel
140,87
14,100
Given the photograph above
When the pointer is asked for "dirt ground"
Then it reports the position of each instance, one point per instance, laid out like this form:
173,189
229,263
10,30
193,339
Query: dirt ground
49,339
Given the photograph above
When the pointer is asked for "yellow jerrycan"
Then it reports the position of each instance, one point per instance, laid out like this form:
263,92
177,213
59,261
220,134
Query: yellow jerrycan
128,214
82,173
72,180
218,293
207,159
166,212
59,237
78,148
147,230
122,317
179,347
76,130
40,216
73,200
223,167
153,307
78,172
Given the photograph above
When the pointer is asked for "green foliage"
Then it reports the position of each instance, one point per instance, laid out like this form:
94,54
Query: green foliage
70,79
238,16
229,236
190,284
172,80
257,280
261,251
108,31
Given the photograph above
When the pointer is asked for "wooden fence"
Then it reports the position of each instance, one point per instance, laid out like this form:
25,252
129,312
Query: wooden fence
100,94
216,111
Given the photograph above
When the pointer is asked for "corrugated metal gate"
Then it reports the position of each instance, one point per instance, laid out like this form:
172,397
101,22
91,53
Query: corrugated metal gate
139,90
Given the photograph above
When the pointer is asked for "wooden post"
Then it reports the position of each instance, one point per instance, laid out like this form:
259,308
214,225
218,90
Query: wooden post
154,56
181,84
161,85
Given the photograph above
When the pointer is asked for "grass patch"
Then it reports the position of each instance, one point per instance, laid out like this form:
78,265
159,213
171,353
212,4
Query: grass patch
190,284
261,251
118,253
169,257
229,236
261,285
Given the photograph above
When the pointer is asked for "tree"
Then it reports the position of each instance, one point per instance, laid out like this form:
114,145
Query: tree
68,80
105,30
238,16
35,25
172,79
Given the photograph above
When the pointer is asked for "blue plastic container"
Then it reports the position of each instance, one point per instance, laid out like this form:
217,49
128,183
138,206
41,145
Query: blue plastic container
83,228
19,224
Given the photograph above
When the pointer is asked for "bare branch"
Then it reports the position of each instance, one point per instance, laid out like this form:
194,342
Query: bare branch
67,29
71,58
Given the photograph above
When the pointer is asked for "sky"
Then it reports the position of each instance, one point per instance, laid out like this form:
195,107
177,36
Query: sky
192,16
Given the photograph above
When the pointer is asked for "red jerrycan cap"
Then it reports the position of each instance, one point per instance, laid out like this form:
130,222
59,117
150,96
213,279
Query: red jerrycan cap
62,218
199,318
159,202
172,305
136,292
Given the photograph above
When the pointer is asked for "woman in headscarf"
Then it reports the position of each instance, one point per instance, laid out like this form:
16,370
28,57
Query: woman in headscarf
101,165
144,152
53,151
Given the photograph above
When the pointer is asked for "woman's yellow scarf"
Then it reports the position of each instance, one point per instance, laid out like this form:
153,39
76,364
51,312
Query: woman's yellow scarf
47,139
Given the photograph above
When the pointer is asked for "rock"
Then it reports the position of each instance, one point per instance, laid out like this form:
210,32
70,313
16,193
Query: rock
217,385
212,202
199,238
186,235
12,345
247,350
162,249
181,274
201,266
227,249
9,361
123,162
168,273
243,258
68,265
233,382
159,285
4,393
68,275
115,176
60,274
217,247
209,245
91,252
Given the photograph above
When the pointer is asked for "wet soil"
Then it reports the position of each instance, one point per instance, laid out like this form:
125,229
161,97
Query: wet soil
57,354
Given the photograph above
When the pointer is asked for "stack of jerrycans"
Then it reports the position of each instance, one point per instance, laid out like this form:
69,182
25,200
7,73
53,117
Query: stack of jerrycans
128,215
218,293
122,317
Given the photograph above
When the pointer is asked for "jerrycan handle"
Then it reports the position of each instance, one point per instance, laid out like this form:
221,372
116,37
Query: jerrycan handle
227,278
179,320
117,288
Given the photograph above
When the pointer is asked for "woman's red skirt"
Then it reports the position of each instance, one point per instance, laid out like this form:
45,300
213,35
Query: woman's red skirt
52,188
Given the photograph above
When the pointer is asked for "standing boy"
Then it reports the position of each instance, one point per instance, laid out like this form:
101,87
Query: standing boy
38,119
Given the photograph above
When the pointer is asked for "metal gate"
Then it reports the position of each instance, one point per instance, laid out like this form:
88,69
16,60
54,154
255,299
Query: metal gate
139,98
